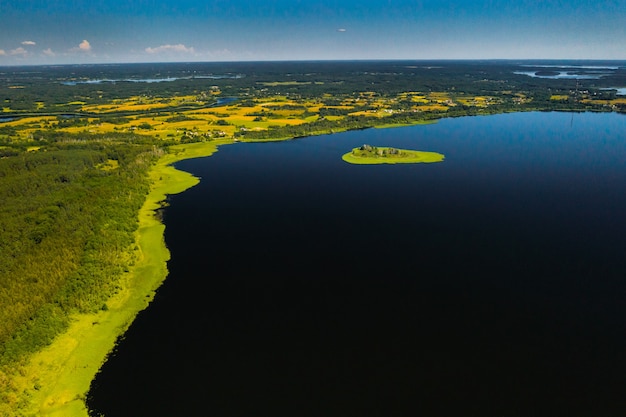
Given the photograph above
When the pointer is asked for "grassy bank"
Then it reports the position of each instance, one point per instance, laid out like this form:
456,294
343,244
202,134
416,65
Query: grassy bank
56,379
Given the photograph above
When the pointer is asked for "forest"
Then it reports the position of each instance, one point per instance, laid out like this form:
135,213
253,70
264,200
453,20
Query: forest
77,143
68,220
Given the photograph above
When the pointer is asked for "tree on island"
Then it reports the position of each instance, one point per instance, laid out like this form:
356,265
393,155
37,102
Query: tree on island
373,151
368,154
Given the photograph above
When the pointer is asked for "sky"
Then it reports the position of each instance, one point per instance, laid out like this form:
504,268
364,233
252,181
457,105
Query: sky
34,32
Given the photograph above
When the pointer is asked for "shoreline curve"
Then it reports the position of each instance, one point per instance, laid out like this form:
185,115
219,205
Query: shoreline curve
61,373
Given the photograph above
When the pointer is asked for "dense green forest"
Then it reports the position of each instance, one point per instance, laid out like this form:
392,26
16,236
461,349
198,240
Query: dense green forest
68,217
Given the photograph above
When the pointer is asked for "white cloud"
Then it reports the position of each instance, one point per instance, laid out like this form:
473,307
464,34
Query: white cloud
341,30
19,51
48,52
180,48
29,43
2,52
84,46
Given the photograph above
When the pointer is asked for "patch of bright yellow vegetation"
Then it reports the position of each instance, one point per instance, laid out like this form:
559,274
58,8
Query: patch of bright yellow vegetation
272,100
559,97
343,107
25,121
477,101
140,106
414,97
606,102
439,96
287,113
408,94
419,99
433,107
99,108
370,113
109,165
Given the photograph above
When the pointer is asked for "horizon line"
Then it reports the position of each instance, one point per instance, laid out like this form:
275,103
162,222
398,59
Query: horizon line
323,60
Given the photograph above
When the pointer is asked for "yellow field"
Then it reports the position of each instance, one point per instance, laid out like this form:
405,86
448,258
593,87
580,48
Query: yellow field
99,108
477,101
218,121
607,102
279,110
138,104
130,107
287,113
432,107
439,96
370,113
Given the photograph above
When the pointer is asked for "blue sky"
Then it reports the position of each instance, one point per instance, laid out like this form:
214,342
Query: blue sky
112,31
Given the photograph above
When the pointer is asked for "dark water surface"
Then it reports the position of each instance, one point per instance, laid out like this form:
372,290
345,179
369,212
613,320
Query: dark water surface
491,284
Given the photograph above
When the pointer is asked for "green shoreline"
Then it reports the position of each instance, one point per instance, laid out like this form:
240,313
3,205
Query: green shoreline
62,372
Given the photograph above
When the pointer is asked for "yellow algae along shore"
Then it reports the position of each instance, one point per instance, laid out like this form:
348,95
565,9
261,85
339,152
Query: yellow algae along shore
367,154
61,374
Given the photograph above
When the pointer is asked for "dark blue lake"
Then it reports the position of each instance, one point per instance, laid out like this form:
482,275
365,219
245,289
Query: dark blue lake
491,284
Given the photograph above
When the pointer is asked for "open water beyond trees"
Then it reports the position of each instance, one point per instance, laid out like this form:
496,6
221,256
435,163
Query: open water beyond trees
490,284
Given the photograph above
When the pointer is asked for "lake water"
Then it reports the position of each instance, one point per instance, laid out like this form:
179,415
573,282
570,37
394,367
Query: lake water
578,72
490,284
566,74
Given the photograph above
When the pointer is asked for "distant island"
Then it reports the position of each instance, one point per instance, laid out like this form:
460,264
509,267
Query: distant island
368,154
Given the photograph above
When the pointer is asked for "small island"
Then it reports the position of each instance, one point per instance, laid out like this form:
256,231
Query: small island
368,154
